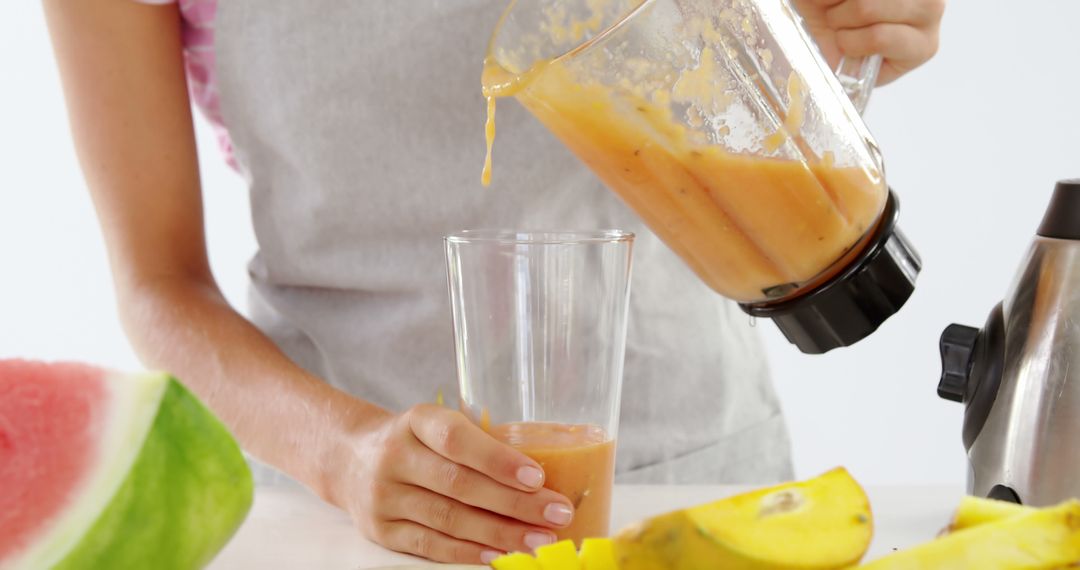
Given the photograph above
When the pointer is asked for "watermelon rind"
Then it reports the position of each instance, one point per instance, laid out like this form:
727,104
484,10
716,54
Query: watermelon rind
133,405
186,495
178,499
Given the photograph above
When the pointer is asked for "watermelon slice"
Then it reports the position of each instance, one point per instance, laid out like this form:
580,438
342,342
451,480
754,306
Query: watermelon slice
103,470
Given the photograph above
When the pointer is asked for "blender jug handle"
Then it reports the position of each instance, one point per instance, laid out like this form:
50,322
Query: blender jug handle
858,75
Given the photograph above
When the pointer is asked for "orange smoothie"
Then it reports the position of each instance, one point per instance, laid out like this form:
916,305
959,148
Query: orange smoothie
578,462
753,228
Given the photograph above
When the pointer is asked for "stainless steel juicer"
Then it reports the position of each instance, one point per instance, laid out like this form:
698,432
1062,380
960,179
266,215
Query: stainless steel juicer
1019,376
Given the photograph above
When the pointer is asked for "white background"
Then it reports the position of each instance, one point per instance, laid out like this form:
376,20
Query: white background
974,142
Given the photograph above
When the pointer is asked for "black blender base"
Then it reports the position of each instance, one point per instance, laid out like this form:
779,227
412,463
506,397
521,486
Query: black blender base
853,304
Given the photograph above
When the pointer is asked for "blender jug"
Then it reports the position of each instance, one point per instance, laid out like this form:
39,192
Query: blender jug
721,125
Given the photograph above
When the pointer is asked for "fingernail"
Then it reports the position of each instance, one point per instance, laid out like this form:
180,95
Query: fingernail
489,556
558,513
535,540
530,477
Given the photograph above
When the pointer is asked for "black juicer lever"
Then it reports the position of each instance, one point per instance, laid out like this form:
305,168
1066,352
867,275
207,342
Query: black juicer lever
957,346
972,361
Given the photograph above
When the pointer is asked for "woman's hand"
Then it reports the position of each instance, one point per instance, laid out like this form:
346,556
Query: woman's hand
431,483
903,32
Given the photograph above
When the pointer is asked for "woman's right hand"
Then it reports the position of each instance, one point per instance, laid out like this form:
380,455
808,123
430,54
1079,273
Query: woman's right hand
431,483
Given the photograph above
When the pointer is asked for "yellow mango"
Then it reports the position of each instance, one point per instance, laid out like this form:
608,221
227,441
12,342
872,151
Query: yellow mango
974,511
515,561
820,524
1036,539
559,556
598,554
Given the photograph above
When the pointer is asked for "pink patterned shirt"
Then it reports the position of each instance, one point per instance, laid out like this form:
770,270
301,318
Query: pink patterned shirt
198,35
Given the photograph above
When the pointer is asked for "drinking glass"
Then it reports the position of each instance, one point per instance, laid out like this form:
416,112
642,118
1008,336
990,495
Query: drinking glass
540,333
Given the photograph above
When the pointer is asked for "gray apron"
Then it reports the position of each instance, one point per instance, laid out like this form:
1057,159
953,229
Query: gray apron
359,126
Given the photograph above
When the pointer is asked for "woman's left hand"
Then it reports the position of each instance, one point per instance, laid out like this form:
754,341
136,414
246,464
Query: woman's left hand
903,32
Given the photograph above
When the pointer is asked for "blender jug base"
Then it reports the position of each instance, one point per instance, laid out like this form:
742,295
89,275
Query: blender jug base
851,305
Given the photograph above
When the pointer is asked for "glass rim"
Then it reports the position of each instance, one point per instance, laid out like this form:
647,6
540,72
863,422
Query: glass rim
539,237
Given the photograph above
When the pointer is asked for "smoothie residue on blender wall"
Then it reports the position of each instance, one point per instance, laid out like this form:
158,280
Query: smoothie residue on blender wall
497,82
750,225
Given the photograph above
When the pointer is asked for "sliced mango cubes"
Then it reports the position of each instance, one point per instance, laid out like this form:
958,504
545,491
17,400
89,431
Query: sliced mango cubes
515,561
596,554
559,556
821,524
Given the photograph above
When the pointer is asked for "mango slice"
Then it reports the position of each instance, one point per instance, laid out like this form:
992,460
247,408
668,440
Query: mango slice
559,556
1037,539
598,554
515,561
974,511
820,524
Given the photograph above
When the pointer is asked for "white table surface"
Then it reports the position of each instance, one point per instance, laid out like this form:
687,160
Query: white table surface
291,529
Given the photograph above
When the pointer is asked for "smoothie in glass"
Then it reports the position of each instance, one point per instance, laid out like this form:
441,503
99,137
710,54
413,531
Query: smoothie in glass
578,462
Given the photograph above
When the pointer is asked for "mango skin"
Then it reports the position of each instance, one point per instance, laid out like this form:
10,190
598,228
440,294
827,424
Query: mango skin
821,524
669,542
974,511
1036,539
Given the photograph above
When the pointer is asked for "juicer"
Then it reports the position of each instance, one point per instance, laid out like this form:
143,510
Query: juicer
1019,375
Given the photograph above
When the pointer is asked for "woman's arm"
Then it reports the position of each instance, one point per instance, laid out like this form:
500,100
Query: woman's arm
122,70
425,482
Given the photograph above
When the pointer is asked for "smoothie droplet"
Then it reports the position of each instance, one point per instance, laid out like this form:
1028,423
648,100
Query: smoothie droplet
489,134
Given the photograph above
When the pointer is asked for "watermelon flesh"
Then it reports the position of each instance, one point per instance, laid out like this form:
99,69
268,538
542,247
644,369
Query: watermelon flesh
104,470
